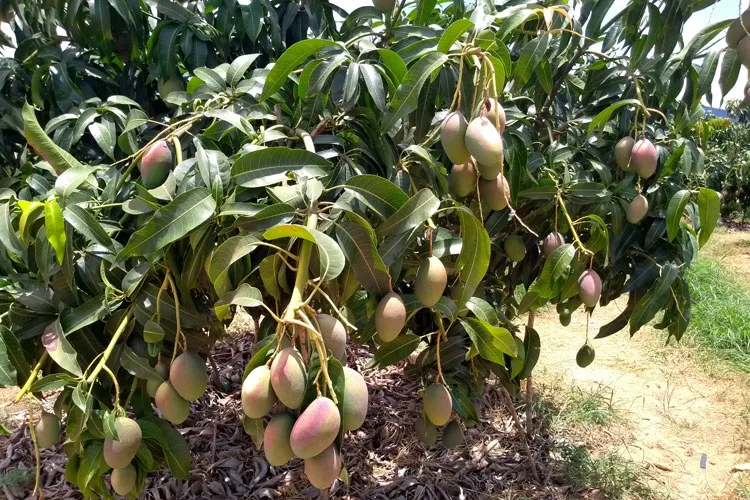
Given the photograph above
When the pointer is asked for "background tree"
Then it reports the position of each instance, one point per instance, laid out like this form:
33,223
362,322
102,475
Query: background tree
197,157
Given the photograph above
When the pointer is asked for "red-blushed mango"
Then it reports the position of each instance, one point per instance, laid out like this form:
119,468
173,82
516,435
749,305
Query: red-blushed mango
644,158
463,179
123,480
384,6
623,150
494,194
118,454
495,114
288,378
170,403
585,356
438,404
257,394
188,376
431,280
276,445
323,469
354,410
156,165
390,317
484,142
590,287
637,209
551,242
452,136
426,431
152,385
316,428
453,435
47,430
515,248
334,336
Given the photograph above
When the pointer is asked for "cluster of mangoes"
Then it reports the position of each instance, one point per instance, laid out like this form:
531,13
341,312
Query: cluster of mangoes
186,380
476,150
641,157
738,39
309,433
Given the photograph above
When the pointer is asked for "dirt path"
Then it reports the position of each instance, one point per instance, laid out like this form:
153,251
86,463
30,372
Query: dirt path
674,412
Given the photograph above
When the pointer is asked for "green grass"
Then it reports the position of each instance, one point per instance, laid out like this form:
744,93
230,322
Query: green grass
611,474
719,320
580,407
17,477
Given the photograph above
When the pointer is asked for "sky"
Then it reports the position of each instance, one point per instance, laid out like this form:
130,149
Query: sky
724,9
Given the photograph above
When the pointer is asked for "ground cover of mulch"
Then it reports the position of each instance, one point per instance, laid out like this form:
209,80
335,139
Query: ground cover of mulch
384,459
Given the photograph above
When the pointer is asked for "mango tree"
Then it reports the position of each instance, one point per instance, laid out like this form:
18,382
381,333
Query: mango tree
415,178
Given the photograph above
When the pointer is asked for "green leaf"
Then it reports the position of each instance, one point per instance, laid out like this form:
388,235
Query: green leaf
67,183
411,214
236,71
374,83
85,223
707,72
91,311
331,257
289,61
59,349
245,295
211,78
15,354
452,34
55,225
604,115
406,98
255,429
58,158
657,297
483,310
229,252
52,382
675,210
394,64
137,365
105,136
397,350
492,342
268,166
544,75
173,445
532,345
8,236
474,259
531,55
171,222
359,244
555,272
269,216
8,374
709,210
379,194
730,71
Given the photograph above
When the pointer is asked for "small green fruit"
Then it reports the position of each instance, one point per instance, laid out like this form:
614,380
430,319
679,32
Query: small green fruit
334,335
431,281
515,248
118,454
565,319
463,179
354,410
384,6
323,469
390,317
169,85
170,404
289,377
152,385
623,150
495,194
452,136
483,142
188,376
438,404
453,435
585,356
47,430
426,431
123,480
276,444
257,394
637,209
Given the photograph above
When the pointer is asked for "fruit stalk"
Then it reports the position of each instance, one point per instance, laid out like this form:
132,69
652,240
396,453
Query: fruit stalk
32,377
578,241
111,347
34,441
